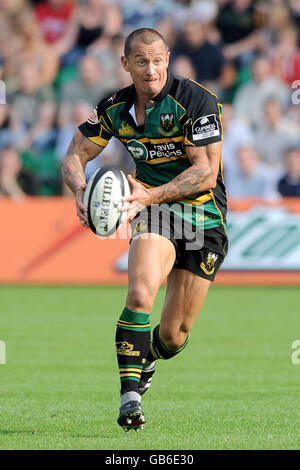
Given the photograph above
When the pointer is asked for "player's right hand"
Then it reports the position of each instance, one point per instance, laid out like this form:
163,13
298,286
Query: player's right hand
81,208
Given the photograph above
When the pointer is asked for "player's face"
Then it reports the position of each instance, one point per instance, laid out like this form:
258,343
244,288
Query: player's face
147,65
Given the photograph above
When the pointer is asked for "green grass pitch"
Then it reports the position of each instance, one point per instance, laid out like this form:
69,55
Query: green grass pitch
234,387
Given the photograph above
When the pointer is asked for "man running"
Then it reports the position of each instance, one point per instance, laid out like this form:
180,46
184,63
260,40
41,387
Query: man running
172,128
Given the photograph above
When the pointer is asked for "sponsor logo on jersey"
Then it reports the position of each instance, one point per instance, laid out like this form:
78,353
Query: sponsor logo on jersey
166,150
137,149
140,152
167,120
126,349
93,117
126,130
204,120
209,266
205,127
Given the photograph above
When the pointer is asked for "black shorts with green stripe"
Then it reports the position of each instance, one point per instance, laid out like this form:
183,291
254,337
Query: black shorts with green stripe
201,245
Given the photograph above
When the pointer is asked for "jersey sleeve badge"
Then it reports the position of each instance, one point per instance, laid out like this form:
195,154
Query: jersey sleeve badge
93,117
205,127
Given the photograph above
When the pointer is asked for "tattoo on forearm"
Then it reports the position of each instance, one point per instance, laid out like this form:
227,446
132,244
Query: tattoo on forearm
186,184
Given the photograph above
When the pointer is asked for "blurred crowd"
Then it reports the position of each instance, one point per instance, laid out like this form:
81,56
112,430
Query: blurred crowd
59,58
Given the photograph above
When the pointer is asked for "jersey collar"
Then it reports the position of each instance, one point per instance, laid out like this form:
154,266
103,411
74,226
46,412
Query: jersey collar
157,99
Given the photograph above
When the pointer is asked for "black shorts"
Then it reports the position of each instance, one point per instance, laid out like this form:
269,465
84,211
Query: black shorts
198,250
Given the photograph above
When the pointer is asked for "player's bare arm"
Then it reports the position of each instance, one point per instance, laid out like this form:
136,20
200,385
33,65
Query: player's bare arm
81,150
200,176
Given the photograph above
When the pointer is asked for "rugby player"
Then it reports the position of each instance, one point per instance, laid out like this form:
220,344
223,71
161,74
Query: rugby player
172,128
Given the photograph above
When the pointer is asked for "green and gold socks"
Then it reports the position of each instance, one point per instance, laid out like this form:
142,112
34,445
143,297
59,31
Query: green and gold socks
132,346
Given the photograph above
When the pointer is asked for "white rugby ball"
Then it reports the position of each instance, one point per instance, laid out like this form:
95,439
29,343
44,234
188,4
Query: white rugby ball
103,199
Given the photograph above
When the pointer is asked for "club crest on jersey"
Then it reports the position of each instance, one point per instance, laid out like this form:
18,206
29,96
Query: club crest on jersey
93,117
167,120
209,266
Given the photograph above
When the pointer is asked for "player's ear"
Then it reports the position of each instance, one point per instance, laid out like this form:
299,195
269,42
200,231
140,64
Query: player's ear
168,58
124,61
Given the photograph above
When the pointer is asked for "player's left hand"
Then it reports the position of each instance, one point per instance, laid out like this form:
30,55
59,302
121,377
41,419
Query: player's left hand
139,198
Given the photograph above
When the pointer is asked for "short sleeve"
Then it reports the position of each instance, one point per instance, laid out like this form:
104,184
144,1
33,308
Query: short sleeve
97,128
204,123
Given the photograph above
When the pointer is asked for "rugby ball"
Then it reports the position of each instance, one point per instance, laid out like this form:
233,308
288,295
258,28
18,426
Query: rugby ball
103,199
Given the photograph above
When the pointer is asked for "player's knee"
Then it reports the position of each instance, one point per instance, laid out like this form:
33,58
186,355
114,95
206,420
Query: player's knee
140,298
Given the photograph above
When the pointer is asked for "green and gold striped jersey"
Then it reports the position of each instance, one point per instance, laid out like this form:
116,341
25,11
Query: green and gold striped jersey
183,114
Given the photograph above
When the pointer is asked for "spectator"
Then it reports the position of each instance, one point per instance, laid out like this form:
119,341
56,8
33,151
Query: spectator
97,19
228,83
289,184
32,110
6,34
183,66
204,11
13,7
250,98
275,134
124,78
10,169
206,57
30,48
277,20
294,11
236,135
53,17
108,54
285,57
251,179
67,127
143,14
90,87
238,25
